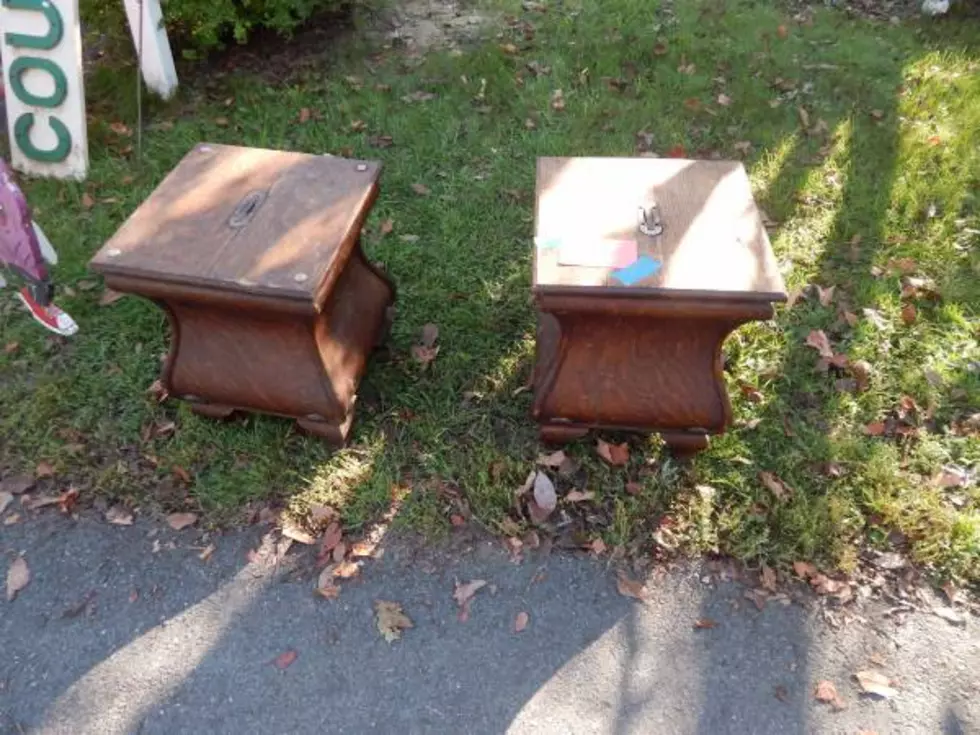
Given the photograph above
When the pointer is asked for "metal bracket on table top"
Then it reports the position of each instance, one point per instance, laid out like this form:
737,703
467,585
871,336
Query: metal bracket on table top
246,209
648,220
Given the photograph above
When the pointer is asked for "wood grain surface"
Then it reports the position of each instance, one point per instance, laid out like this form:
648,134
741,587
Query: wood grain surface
714,243
250,220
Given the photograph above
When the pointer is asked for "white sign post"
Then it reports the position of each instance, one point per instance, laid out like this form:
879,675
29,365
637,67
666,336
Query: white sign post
157,62
41,46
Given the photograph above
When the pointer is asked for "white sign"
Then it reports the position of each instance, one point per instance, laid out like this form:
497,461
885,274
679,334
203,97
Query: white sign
41,46
157,62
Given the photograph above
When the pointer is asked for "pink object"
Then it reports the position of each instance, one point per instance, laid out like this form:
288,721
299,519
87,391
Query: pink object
19,246
597,253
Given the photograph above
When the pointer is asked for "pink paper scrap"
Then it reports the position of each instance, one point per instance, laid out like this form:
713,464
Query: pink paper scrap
597,253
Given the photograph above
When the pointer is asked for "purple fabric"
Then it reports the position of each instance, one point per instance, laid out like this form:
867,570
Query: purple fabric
19,248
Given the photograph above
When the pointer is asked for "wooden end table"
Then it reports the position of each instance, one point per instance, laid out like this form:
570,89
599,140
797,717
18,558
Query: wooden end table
255,257
642,267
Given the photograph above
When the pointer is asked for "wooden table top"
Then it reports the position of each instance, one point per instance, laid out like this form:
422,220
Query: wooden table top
247,219
713,243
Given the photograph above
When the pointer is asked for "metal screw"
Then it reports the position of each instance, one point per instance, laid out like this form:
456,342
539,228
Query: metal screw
300,277
114,253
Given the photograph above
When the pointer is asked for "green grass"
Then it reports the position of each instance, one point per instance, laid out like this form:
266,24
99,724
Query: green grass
900,107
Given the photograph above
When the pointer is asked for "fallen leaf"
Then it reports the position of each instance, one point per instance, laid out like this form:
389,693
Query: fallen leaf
825,295
5,500
509,48
347,569
120,128
521,621
118,515
875,428
615,454
782,31
430,333
285,659
221,122
544,493
421,189
705,624
553,460
633,488
33,502
693,104
424,355
804,116
874,316
457,520
873,682
18,577
630,587
818,341
88,201
331,537
11,519
558,100
579,496
529,124
769,578
110,297
908,313
11,347
660,49
386,227
17,484
777,487
742,146
825,691
305,114
420,95
180,521
381,141
877,114
724,100
325,586
391,621
597,546
181,474
781,693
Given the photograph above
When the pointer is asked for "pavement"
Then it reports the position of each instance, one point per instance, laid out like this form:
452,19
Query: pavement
124,629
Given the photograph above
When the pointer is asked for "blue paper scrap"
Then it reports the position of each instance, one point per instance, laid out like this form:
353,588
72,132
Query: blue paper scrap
644,267
547,243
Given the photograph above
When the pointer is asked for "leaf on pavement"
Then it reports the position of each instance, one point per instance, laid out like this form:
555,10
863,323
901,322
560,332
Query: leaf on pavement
777,487
118,515
521,621
628,587
949,615
873,682
769,578
325,586
44,469
463,593
818,341
825,691
285,659
553,460
347,569
615,454
804,569
705,624
331,537
180,521
5,500
18,576
391,621
544,493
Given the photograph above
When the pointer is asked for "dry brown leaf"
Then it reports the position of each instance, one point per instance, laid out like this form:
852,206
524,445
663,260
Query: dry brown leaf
724,100
544,493
579,496
743,146
825,295
705,624
597,546
793,296
424,355
339,552
18,577
305,114
430,333
117,515
509,48
825,691
776,486
558,100
110,297
5,500
181,474
421,189
873,682
457,520
615,454
285,659
11,347
875,428
660,49
851,318
628,587
521,621
782,31
908,314
325,586
180,521
463,593
44,469
346,569
633,488
553,460
391,620
88,201
769,578
331,537
387,226
804,117
861,370
818,341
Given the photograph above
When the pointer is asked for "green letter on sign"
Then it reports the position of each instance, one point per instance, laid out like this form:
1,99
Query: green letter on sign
55,27
22,134
25,63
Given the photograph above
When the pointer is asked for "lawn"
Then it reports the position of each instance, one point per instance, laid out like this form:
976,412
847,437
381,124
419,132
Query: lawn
862,140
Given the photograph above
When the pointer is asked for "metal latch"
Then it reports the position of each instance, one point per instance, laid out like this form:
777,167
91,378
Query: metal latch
648,220
246,209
